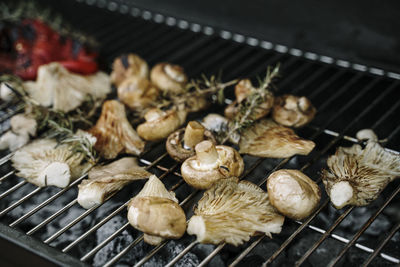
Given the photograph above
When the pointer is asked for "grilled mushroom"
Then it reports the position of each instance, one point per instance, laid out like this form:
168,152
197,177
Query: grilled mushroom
114,133
270,140
215,123
232,212
22,127
137,93
293,111
6,94
127,66
156,212
293,193
210,164
105,180
357,175
242,90
45,163
64,90
169,78
180,144
159,124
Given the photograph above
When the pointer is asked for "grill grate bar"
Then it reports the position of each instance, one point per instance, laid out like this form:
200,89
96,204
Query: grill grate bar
309,79
12,189
381,245
17,203
7,175
6,158
181,254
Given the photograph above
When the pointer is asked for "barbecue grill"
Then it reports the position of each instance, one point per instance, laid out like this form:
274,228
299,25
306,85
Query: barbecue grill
49,223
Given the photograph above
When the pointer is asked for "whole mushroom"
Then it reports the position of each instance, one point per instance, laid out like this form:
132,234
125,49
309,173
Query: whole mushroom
169,77
137,93
293,111
210,164
180,144
126,66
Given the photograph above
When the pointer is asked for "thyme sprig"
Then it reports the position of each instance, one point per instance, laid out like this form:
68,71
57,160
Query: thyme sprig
247,107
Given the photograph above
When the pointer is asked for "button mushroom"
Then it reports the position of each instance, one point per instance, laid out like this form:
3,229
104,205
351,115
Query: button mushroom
114,133
105,180
156,212
293,111
210,164
293,193
357,175
159,124
232,212
127,66
137,93
180,144
169,78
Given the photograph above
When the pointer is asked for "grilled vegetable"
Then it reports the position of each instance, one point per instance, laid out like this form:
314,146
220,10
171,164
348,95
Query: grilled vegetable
128,66
137,93
169,78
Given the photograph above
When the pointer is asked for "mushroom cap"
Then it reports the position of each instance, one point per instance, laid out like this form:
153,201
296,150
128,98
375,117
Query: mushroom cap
176,149
127,66
157,216
215,122
169,77
196,103
293,193
21,124
137,92
200,176
293,111
159,124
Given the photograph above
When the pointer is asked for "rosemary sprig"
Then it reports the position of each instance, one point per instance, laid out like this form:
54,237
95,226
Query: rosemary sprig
247,107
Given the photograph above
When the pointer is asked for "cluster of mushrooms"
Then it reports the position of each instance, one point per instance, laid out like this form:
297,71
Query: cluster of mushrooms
231,210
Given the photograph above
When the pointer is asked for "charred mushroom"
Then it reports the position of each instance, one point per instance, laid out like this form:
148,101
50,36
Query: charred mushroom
180,144
105,180
114,133
159,124
137,93
293,111
22,127
232,212
169,78
293,193
210,164
156,212
270,140
45,163
357,175
127,66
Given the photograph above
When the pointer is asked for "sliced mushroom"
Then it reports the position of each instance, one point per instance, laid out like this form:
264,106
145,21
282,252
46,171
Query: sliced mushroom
137,93
159,124
357,175
44,163
114,133
169,78
232,212
271,140
180,144
293,193
156,212
293,111
127,66
64,90
105,180
242,90
210,164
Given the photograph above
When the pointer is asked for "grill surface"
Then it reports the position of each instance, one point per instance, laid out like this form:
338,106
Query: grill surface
346,99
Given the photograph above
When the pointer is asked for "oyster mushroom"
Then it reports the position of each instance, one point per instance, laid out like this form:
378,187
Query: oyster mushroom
215,123
293,111
22,127
293,193
156,212
271,140
127,66
137,93
159,124
64,90
168,77
210,164
107,179
232,212
180,144
6,93
242,90
114,133
44,163
357,175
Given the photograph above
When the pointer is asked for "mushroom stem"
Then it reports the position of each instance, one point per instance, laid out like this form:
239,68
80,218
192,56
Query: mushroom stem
206,153
194,134
57,174
153,114
341,193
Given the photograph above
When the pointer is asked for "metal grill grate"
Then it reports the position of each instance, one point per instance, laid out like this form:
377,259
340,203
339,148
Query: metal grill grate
347,100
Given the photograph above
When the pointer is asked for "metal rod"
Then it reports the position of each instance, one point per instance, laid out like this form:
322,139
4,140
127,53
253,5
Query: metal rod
21,200
7,175
211,255
181,254
322,70
12,189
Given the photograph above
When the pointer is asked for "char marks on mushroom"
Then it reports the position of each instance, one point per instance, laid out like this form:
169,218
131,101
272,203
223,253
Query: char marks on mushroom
128,66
